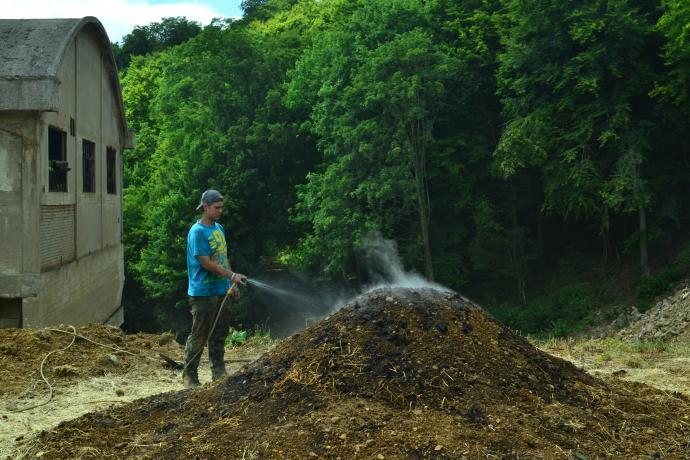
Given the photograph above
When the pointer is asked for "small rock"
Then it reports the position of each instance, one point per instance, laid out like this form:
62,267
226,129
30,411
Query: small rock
343,436
165,339
109,360
120,392
65,371
107,422
380,457
438,447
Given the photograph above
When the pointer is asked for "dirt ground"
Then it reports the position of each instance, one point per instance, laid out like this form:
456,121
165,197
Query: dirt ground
394,374
86,377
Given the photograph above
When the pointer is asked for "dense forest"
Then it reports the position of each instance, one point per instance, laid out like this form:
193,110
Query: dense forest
532,154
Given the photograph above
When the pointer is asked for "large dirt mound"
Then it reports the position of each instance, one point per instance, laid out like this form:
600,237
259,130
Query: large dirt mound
395,374
668,319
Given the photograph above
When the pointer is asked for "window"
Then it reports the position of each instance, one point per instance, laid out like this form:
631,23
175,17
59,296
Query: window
57,160
111,157
10,312
88,166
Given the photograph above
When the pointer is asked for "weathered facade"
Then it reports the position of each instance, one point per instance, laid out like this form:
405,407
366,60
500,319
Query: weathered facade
62,133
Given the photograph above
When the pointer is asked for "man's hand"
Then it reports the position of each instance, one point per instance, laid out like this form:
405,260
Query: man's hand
238,278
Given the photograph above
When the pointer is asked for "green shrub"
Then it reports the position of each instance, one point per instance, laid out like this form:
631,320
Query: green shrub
559,312
236,338
653,286
650,347
258,336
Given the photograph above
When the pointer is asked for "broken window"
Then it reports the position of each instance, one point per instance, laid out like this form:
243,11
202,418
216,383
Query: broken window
88,166
111,157
57,160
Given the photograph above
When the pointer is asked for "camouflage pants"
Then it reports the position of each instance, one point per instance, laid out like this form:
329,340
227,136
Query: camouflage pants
204,311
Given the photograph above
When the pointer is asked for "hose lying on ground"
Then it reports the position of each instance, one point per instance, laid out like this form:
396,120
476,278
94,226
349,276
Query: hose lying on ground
50,387
75,335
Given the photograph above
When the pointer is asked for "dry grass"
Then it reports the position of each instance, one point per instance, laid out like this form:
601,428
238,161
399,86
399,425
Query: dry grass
664,365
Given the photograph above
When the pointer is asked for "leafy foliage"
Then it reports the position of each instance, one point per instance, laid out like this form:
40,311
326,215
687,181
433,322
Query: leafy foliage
488,138
155,37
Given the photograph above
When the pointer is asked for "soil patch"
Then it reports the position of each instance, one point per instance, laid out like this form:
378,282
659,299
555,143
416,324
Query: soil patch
23,350
87,377
394,374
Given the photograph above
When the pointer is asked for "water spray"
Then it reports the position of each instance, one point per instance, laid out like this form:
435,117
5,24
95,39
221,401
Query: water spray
284,293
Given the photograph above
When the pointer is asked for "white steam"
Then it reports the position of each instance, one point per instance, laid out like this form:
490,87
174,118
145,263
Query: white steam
309,302
383,264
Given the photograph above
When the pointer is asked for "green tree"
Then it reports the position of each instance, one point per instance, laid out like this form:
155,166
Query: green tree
375,97
140,88
157,36
209,114
574,80
673,24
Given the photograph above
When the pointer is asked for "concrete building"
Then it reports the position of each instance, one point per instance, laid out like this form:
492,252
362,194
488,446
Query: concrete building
62,133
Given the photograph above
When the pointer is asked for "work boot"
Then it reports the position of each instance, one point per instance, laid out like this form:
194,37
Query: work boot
190,380
218,373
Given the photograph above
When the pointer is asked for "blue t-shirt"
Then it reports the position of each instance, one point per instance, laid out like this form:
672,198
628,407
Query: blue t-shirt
206,241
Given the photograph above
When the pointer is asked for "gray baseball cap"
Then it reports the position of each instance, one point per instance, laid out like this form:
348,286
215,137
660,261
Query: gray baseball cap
209,197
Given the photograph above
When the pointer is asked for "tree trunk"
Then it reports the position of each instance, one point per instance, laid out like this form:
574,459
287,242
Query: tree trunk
520,259
417,133
540,234
644,259
522,290
428,266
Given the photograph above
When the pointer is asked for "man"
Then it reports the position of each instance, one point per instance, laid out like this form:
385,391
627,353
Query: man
209,276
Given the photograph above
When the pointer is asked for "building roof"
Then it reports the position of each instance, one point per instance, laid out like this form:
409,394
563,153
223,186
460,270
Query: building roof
31,51
33,48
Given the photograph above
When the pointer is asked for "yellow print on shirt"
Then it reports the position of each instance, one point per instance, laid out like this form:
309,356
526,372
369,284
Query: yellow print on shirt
219,248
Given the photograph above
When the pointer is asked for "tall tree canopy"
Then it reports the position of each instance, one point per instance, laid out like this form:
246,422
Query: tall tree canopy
156,36
493,140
